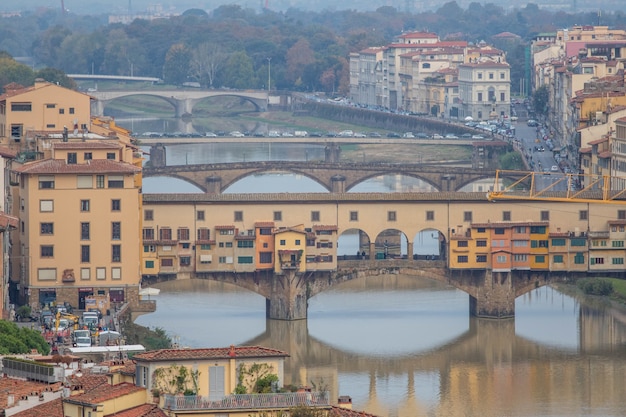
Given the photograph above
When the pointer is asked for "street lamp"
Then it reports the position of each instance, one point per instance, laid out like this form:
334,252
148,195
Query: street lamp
269,73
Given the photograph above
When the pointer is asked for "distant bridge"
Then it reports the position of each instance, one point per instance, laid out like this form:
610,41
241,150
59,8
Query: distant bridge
335,177
183,101
113,77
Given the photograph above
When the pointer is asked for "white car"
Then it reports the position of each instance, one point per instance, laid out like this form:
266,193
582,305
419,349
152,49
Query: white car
408,135
210,135
236,134
436,136
554,168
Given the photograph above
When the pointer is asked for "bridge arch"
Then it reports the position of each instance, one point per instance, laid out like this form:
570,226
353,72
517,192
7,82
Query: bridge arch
362,179
353,243
170,100
265,170
198,187
429,244
432,186
391,244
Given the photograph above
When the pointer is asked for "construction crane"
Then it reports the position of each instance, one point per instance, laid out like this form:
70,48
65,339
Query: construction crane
524,187
63,10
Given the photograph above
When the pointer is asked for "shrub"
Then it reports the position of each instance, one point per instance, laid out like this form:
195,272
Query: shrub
595,286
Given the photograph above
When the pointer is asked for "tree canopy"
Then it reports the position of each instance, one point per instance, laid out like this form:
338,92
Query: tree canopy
15,339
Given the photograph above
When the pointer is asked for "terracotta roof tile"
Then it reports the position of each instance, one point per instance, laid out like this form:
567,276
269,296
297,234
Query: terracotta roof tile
336,411
96,144
7,153
60,166
20,388
7,222
209,353
493,225
104,392
224,227
264,224
325,227
52,408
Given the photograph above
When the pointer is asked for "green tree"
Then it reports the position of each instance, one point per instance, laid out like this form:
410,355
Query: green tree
511,160
541,99
56,76
12,71
15,339
238,72
177,62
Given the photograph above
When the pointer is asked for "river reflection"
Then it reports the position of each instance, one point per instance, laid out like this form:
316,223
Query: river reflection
405,347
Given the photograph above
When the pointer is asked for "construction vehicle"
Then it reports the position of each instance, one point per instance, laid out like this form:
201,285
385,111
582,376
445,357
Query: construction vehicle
71,320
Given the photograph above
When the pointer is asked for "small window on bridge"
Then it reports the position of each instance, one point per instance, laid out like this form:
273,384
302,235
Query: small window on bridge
391,216
467,216
430,215
545,215
506,216
315,216
278,216
582,215
354,216
621,214
200,215
239,216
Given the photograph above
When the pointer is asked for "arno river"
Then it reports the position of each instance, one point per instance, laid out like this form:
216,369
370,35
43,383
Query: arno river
402,346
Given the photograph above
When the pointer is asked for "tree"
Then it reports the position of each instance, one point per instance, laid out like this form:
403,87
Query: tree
12,71
541,99
512,161
206,60
14,339
238,72
56,76
177,62
299,56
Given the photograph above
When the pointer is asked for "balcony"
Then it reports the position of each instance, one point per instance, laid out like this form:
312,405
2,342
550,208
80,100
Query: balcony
248,401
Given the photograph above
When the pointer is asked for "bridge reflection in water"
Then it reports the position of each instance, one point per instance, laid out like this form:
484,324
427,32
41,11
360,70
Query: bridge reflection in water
482,369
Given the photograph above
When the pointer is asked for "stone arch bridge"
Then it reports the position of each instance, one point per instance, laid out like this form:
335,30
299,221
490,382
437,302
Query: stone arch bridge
333,176
183,101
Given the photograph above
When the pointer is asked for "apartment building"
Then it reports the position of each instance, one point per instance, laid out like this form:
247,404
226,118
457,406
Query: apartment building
484,90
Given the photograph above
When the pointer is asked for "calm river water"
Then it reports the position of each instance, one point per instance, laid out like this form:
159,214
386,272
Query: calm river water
407,347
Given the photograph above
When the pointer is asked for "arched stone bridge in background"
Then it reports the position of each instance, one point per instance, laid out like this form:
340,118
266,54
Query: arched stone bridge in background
183,101
334,176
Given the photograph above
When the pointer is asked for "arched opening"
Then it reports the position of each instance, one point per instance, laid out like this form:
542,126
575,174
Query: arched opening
429,245
353,244
393,184
391,244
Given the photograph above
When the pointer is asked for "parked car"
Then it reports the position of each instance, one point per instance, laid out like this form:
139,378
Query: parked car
408,135
393,135
236,134
421,135
554,168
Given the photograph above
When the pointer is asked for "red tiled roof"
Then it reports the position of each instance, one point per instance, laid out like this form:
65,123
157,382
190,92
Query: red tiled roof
60,166
264,224
493,225
605,154
336,411
7,153
598,141
224,227
411,35
97,144
52,408
209,353
104,392
7,222
325,227
145,410
20,388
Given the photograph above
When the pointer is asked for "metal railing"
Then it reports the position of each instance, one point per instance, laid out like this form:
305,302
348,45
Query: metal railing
247,401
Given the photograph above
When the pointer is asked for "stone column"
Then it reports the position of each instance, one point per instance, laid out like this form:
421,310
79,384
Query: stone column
158,156
338,184
288,299
495,298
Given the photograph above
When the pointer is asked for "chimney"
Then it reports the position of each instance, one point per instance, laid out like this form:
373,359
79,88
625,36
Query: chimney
231,352
345,401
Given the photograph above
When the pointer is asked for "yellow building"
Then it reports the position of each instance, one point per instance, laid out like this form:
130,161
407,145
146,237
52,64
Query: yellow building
290,248
79,222
43,108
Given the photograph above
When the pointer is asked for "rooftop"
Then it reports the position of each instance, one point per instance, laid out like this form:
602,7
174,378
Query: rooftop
210,353
60,166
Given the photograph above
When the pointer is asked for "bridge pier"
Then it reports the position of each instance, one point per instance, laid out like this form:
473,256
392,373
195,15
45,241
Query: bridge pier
495,298
288,299
158,156
214,185
338,184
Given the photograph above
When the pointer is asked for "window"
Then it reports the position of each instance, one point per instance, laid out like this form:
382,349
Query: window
148,215
148,233
47,251
462,259
200,215
545,216
481,243
204,234
391,216
165,233
46,182
84,205
506,216
71,110
461,244
72,159
245,259
225,259
16,132
501,259
579,258
283,242
467,216
46,206
265,231
558,242
430,215
84,231
47,228
480,75
116,253
149,264
539,259
582,215
617,261
50,106
99,181
499,231
578,242
239,216
520,229
116,181
204,246
481,258
557,259
245,243
111,155
101,273
621,214
85,274
315,216
116,205
491,75
21,106
182,233
85,253
480,96
149,248
185,260
61,111
617,243
278,216
116,231
538,230
47,274
167,262
87,156
265,257
538,243
84,181
502,76
354,216
502,96
298,242
520,257
226,232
